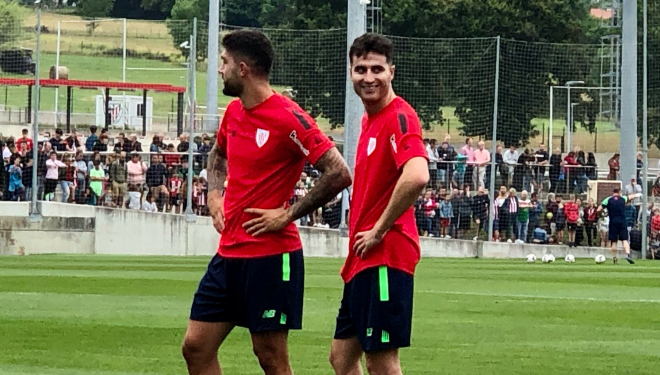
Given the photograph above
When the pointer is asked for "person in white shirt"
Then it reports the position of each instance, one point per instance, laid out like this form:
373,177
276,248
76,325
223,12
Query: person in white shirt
134,197
510,159
432,151
635,188
150,204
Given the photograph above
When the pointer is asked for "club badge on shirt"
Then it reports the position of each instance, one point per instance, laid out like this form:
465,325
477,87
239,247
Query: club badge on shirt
262,137
372,146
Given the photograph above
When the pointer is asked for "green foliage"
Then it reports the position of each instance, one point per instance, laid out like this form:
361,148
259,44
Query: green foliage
11,23
95,8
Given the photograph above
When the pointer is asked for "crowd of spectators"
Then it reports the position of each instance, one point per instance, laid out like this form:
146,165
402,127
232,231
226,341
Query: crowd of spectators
95,172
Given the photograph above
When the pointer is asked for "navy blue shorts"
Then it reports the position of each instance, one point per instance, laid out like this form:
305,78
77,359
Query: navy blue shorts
377,309
261,294
617,232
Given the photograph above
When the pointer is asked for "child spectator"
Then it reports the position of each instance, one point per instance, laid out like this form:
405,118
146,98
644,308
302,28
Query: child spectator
560,220
134,197
16,187
446,214
28,167
52,175
201,197
540,235
68,181
150,204
572,212
108,199
591,222
174,187
429,206
522,221
96,178
603,227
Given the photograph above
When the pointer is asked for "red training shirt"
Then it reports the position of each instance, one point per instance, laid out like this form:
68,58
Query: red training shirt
655,223
266,148
388,140
571,210
28,142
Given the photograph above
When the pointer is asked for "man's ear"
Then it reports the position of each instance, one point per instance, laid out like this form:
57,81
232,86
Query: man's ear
243,69
392,69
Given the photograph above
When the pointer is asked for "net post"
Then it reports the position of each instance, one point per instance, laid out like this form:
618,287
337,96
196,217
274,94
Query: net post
628,142
645,139
123,62
35,214
493,146
552,118
144,112
190,215
212,67
57,73
356,26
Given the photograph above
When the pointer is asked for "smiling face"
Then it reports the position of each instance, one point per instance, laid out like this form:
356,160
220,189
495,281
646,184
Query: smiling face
372,76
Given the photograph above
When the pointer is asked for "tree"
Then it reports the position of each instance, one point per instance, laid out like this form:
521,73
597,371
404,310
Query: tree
91,9
11,23
525,68
239,12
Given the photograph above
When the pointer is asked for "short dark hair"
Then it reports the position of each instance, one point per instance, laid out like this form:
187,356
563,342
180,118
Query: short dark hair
251,46
92,129
370,42
616,190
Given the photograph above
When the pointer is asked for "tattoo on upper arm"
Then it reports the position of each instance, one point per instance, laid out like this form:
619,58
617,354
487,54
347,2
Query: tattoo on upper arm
335,177
216,168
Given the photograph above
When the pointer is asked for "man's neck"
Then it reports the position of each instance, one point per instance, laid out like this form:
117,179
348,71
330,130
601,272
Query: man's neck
373,108
255,94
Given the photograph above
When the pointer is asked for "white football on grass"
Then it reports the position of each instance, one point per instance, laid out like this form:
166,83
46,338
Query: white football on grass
600,258
570,258
531,258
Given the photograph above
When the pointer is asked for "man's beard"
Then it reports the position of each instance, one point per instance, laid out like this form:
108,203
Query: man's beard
232,88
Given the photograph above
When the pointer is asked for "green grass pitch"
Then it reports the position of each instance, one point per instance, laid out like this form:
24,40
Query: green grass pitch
96,315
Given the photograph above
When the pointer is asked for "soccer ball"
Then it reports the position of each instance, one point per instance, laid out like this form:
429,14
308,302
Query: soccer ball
570,258
548,258
531,258
600,258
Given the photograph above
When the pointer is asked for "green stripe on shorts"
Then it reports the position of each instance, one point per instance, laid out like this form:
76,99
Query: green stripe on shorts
383,284
385,337
286,267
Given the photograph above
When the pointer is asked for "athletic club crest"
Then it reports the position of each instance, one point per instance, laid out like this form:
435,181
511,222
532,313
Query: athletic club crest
262,137
372,146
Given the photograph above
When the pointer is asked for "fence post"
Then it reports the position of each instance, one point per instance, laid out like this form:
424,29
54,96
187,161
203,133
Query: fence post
35,214
190,215
645,140
493,146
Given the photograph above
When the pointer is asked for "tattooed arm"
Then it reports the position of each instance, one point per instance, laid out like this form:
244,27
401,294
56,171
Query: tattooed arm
217,175
335,177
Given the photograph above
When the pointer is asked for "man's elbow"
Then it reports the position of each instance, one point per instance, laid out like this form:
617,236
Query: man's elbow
343,178
420,179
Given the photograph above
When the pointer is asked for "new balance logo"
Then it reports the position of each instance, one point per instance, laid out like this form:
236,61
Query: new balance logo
268,314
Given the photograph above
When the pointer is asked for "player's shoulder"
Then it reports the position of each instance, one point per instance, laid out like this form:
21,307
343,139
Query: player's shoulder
234,105
292,113
405,117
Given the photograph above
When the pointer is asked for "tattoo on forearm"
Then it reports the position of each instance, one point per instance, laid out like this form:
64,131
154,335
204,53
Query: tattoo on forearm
216,169
335,177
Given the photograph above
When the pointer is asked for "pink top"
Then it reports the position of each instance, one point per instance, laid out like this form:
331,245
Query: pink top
469,152
52,168
136,172
481,156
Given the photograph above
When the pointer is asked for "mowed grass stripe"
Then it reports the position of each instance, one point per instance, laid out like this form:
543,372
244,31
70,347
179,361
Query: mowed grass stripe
543,319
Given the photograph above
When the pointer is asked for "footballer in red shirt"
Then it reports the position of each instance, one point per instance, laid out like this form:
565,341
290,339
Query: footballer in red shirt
391,169
256,279
572,212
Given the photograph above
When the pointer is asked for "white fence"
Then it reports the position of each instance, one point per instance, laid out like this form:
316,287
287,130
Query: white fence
77,229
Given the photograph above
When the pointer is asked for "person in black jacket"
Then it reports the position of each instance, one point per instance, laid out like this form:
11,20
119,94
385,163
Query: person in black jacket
555,171
480,204
157,177
464,203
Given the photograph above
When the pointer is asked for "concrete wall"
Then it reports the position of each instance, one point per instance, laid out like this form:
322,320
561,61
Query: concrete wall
68,228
